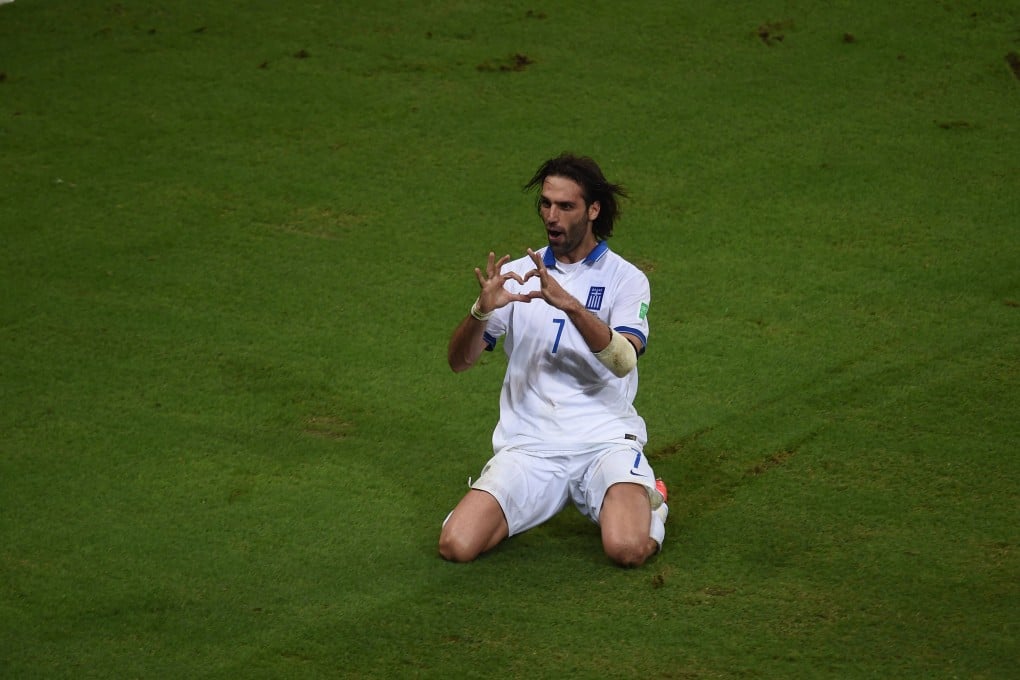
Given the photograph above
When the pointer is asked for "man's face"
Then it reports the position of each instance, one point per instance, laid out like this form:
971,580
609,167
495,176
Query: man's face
567,219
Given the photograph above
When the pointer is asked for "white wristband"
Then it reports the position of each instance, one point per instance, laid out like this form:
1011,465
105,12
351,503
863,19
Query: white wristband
619,356
478,313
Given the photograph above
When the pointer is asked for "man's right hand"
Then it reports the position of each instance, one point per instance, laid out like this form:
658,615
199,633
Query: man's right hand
494,294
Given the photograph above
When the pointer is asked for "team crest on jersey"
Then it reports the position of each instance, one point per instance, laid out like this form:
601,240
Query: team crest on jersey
595,295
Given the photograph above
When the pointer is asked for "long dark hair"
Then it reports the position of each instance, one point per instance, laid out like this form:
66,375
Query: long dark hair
594,187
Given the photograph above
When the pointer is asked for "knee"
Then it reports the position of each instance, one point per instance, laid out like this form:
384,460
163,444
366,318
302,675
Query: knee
454,549
628,553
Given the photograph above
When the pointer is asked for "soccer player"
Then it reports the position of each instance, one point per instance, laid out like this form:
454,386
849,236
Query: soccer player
573,317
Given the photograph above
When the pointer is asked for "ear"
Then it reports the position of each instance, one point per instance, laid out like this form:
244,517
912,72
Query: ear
593,210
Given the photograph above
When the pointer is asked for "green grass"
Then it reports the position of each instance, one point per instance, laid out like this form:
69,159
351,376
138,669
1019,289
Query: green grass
236,238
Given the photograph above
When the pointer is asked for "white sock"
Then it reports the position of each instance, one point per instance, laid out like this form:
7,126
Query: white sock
657,529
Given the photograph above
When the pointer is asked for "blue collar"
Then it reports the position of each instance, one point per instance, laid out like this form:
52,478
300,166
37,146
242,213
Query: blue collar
597,252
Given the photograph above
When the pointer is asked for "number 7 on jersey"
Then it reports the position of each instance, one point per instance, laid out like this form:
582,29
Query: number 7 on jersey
559,333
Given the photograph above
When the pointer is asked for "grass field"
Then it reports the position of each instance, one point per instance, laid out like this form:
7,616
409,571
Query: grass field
236,236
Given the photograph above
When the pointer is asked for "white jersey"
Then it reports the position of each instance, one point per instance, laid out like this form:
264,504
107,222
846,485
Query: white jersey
556,394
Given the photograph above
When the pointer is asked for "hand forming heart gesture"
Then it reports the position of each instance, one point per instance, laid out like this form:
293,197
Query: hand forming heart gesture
494,295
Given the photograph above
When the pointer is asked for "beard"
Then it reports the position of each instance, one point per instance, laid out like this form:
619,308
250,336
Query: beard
566,238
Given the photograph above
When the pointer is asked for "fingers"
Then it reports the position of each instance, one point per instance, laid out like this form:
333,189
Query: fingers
539,270
515,276
539,265
493,267
493,278
492,283
502,278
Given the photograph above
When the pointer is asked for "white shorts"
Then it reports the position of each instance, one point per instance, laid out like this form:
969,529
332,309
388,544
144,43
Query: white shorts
532,486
